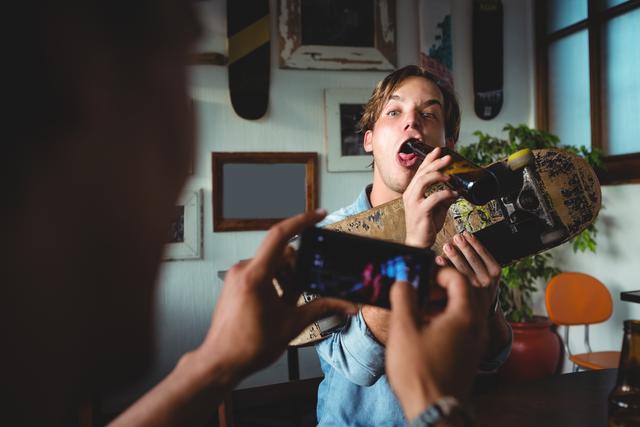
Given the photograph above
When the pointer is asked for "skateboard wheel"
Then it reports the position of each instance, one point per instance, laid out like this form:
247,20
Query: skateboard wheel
519,159
528,201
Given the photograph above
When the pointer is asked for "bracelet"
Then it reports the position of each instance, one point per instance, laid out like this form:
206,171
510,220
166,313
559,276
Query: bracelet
443,409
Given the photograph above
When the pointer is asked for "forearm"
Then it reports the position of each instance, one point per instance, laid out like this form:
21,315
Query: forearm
377,320
189,395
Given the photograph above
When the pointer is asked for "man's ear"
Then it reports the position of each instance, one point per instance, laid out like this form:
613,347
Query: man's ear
368,141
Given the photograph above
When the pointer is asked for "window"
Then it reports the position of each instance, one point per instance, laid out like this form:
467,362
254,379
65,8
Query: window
588,70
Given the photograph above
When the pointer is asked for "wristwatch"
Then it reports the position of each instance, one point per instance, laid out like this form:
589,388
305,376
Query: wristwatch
444,409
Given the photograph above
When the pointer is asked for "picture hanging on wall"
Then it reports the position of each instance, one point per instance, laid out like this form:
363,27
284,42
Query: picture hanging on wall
211,44
254,190
436,47
337,34
343,109
184,237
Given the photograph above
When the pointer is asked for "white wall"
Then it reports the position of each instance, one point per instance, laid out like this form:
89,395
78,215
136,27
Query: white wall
188,290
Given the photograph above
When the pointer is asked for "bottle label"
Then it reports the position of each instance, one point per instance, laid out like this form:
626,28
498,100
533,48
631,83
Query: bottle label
460,167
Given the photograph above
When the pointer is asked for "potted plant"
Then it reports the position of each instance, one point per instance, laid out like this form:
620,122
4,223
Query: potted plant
520,279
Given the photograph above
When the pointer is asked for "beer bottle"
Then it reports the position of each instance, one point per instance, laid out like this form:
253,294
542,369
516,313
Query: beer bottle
477,185
624,399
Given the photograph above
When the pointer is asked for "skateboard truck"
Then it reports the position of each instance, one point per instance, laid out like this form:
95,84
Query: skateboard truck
527,203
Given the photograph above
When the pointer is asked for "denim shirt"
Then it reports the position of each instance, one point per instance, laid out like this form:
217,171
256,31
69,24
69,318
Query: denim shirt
355,390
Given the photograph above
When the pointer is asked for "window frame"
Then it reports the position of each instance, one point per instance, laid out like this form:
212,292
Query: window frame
619,169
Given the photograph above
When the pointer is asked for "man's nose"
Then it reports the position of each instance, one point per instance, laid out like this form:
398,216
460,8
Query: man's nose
411,120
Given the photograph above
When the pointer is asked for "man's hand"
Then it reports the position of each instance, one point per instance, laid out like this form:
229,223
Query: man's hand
470,257
424,217
251,327
251,324
426,361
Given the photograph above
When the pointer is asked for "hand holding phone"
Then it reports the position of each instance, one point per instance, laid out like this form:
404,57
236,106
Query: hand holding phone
360,269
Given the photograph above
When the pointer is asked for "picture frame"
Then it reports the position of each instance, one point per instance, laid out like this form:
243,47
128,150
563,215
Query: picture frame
254,190
436,38
337,34
344,145
184,237
210,47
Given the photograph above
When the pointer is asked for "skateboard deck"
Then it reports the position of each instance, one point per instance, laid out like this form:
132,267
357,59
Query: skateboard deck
487,56
552,199
248,33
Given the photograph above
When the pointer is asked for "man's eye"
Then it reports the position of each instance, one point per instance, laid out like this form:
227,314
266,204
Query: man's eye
392,113
427,115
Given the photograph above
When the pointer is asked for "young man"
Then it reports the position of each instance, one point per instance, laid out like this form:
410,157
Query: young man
99,138
409,104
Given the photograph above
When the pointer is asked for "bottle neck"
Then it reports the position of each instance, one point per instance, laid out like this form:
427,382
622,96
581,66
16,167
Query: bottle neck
629,370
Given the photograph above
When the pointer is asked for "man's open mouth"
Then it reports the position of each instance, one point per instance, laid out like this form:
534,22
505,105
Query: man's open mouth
406,155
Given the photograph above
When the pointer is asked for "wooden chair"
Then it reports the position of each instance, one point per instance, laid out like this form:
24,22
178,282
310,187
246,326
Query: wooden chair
580,299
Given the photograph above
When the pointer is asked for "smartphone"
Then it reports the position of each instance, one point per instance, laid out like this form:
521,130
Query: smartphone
361,269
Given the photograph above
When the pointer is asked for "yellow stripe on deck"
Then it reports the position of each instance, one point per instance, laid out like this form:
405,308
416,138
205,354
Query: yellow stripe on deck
249,39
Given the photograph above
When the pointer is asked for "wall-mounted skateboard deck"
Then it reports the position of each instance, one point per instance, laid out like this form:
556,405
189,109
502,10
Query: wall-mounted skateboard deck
487,57
569,196
248,33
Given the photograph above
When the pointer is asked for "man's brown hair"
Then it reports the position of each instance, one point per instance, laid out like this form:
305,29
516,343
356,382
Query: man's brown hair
385,88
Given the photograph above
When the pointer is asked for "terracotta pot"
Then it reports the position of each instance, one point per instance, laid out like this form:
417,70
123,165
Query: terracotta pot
536,351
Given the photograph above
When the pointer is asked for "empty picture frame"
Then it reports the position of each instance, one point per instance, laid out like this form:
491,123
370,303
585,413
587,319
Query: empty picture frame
343,109
337,34
254,190
184,238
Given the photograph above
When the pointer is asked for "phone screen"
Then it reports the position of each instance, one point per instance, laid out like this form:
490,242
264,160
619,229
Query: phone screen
359,269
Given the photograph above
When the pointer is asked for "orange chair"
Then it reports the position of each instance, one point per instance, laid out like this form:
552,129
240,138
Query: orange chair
580,299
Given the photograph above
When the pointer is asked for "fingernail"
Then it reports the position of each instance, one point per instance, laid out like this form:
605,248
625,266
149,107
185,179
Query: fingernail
457,238
447,247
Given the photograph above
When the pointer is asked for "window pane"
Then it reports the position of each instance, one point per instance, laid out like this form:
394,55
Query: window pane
563,13
621,92
569,107
610,3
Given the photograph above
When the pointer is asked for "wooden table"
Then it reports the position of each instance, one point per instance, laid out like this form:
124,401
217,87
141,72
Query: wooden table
577,399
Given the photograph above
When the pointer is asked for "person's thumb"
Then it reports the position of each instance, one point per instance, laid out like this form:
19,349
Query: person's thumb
404,308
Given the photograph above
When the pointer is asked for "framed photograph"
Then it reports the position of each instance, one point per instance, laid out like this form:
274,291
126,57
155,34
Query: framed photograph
253,191
337,34
184,237
343,109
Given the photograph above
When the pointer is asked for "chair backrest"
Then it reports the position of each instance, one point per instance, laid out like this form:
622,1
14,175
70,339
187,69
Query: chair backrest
577,299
